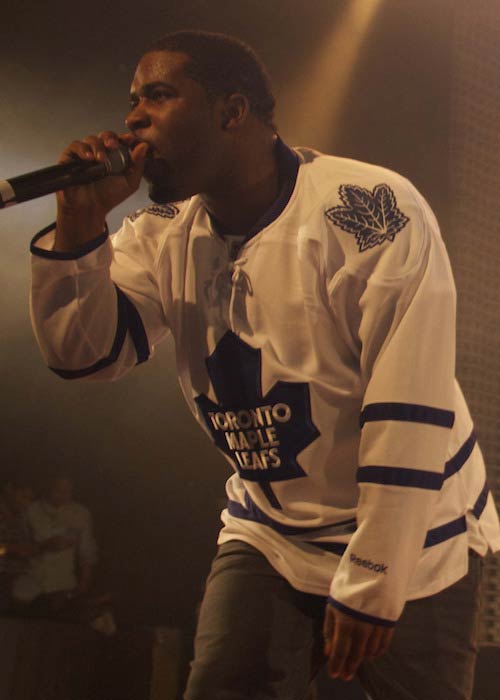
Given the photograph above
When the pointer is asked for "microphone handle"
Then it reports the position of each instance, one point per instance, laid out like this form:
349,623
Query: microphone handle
57,177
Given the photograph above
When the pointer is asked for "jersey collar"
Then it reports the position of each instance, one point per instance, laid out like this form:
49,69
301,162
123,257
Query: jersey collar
288,168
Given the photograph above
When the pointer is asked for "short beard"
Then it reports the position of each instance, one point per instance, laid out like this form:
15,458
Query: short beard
157,174
160,194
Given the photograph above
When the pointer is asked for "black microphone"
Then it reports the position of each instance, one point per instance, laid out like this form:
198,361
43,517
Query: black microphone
58,177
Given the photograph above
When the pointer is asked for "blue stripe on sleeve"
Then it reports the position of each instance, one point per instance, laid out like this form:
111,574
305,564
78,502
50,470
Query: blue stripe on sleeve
454,464
445,532
409,412
136,329
399,476
359,615
128,320
480,504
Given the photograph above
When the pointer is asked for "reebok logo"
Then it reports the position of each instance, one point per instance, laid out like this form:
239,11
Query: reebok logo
368,564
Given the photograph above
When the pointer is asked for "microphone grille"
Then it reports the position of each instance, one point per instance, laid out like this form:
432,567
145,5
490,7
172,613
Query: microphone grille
118,160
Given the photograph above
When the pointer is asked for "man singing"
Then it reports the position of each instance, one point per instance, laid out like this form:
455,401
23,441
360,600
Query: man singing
313,310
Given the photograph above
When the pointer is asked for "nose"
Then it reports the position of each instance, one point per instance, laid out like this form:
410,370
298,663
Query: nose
137,118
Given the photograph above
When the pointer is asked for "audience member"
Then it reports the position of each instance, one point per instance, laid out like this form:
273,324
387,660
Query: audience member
62,529
16,545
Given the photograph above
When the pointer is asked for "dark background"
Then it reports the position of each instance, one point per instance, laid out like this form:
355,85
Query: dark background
367,79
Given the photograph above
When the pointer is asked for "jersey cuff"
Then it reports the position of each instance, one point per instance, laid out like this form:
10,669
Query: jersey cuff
79,252
128,320
372,619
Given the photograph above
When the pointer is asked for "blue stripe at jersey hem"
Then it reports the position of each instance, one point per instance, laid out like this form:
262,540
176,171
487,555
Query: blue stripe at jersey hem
407,412
254,514
480,503
445,532
400,476
128,320
72,255
454,464
372,619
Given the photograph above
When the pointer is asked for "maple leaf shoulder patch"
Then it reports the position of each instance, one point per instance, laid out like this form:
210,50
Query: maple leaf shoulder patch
372,217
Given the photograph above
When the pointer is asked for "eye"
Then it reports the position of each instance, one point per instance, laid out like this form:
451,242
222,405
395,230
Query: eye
160,94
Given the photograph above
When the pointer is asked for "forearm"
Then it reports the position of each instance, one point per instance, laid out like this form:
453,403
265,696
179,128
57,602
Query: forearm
74,307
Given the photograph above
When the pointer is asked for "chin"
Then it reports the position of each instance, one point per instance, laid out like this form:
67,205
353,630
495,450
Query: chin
160,193
158,175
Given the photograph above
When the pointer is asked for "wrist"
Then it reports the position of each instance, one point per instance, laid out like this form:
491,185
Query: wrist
75,229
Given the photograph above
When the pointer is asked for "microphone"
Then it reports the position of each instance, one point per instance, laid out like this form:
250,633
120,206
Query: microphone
58,177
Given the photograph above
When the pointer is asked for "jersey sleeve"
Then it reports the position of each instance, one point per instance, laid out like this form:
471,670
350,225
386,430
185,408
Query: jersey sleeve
97,312
404,326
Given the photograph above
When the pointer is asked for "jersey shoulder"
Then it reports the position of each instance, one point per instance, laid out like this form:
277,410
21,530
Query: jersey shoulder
334,177
147,231
365,215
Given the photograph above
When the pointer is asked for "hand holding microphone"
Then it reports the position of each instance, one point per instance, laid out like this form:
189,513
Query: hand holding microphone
121,155
85,194
115,161
82,208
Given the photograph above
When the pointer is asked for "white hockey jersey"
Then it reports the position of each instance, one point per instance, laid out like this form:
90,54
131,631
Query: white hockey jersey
320,359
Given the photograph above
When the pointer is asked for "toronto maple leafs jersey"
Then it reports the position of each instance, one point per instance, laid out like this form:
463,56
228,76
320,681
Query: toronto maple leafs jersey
319,357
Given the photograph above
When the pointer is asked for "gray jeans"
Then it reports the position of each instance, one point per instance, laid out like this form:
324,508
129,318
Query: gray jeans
260,639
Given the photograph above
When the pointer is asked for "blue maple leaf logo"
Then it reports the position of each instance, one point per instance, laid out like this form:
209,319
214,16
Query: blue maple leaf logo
262,435
372,217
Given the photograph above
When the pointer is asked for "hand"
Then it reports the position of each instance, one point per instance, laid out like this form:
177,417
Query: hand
82,209
349,641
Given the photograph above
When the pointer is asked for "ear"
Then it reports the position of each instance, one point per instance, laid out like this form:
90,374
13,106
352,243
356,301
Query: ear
235,111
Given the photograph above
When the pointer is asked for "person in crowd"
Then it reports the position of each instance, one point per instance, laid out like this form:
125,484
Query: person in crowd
62,530
16,544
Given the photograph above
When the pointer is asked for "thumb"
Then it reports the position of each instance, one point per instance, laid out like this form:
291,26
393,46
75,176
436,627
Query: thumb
138,157
139,153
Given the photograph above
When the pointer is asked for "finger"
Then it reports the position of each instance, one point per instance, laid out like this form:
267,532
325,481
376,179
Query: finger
109,138
379,642
356,655
374,643
135,171
97,146
129,139
340,648
139,153
77,149
386,640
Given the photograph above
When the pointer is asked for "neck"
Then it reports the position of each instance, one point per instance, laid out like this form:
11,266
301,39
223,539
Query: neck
249,188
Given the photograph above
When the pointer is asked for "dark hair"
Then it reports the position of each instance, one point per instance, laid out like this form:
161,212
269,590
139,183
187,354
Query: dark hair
223,65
